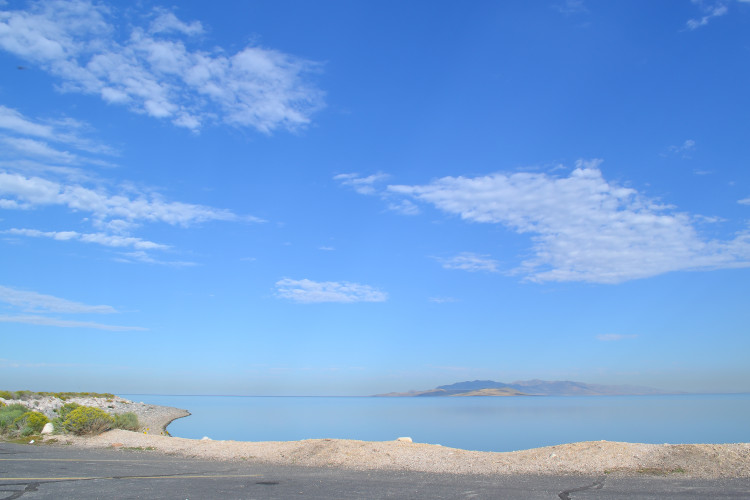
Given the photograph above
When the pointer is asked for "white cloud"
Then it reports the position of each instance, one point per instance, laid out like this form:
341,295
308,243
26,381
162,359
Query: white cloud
613,337
141,256
710,10
571,7
28,184
467,261
38,148
65,131
37,302
307,291
684,150
371,185
745,201
167,22
8,363
31,192
442,300
583,228
63,323
108,240
405,207
362,185
153,72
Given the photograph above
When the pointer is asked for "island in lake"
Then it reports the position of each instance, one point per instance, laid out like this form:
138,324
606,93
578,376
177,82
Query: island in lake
529,388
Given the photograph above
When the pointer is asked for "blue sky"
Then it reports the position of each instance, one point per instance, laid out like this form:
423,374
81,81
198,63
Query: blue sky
348,198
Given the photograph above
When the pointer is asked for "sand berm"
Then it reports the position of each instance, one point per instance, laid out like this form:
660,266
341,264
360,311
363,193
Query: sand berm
586,458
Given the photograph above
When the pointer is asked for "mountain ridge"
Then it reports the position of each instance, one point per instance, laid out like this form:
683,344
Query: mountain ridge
535,387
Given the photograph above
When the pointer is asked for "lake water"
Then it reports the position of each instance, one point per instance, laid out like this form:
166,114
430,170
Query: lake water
473,423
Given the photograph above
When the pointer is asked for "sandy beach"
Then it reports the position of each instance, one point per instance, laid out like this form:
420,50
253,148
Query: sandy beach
585,458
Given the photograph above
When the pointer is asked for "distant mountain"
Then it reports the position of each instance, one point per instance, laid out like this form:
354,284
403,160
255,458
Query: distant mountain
528,388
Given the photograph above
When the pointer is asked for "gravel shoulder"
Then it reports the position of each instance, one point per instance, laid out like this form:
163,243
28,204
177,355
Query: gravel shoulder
585,458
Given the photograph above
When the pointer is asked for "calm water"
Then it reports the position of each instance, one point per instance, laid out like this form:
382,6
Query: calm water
477,423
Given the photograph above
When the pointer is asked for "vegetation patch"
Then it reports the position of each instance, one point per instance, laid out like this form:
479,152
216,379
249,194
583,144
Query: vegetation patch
126,421
87,420
659,471
27,395
18,421
649,471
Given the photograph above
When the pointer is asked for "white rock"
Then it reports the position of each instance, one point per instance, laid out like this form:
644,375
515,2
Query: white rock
206,438
405,439
48,428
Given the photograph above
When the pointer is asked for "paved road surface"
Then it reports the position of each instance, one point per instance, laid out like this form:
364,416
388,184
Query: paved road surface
42,472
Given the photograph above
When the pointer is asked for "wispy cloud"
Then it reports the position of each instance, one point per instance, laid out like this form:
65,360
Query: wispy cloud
583,228
9,363
374,185
442,300
31,177
710,9
63,131
614,337
63,323
37,302
32,192
571,7
744,201
472,262
360,184
307,291
108,240
41,304
684,150
141,256
39,149
157,70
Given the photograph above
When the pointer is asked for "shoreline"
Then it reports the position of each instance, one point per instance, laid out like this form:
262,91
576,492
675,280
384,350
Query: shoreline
708,461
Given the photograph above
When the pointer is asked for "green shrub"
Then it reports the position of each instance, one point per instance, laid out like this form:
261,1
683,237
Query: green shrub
23,395
6,395
62,413
87,420
31,422
65,410
127,421
8,415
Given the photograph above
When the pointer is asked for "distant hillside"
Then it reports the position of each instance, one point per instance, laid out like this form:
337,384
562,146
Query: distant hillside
528,388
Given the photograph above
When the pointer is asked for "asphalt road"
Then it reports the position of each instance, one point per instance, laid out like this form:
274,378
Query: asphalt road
31,472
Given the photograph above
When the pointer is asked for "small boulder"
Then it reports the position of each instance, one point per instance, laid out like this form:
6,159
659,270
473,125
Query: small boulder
404,439
48,428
